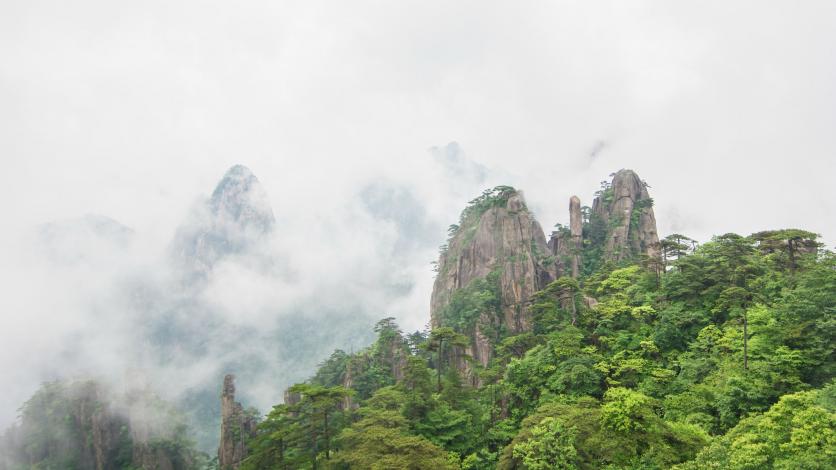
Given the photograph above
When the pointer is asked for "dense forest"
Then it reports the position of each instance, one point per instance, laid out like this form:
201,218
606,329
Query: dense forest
603,347
711,356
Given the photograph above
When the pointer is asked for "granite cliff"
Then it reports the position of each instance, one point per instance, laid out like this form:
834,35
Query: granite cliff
238,426
495,260
497,257
626,209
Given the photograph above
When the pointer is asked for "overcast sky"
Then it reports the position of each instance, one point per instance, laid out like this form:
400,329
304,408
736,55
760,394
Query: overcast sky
135,109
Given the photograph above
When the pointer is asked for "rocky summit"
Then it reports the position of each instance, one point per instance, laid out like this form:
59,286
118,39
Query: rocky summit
232,221
495,259
625,207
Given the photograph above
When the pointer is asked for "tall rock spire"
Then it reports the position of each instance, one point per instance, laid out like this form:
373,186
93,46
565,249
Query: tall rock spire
576,231
495,260
237,427
626,209
566,244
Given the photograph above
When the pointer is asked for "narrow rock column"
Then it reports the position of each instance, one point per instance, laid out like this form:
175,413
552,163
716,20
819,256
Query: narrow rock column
576,228
235,428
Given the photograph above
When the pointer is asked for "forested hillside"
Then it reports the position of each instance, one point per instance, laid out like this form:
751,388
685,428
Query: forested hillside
83,424
604,346
659,354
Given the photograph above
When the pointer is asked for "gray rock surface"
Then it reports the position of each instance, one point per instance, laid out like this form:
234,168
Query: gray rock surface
507,239
233,220
627,210
236,428
576,231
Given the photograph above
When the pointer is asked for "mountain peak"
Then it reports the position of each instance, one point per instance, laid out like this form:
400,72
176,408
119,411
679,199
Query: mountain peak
240,198
497,250
235,217
627,209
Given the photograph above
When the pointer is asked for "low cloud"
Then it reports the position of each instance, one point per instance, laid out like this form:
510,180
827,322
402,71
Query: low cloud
133,111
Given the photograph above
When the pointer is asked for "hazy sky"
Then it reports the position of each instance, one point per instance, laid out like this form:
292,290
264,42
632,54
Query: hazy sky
135,109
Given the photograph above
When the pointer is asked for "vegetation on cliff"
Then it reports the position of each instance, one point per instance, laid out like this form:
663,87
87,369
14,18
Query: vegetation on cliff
84,424
724,358
657,355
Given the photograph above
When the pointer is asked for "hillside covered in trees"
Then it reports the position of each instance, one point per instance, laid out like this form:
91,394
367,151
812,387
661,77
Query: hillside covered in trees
603,346
631,352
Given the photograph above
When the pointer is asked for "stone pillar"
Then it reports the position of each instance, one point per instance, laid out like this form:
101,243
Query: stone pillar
236,428
576,229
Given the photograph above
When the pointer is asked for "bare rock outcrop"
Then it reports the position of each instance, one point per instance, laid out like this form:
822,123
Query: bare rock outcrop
497,257
626,209
237,428
500,246
566,245
576,231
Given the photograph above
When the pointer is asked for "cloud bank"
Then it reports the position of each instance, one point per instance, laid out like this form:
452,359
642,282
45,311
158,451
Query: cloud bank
133,111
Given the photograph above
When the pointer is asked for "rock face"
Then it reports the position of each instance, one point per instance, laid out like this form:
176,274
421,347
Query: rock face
237,427
498,252
498,241
576,231
566,245
292,398
234,219
626,209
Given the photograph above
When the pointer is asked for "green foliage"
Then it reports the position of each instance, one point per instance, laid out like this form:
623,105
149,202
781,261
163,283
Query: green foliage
74,424
448,348
466,305
676,246
579,436
331,372
276,444
798,432
626,411
299,435
561,366
595,230
722,360
639,209
490,198
551,446
380,440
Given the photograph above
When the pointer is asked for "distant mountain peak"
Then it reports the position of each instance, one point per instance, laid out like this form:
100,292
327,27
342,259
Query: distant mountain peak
235,217
240,198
